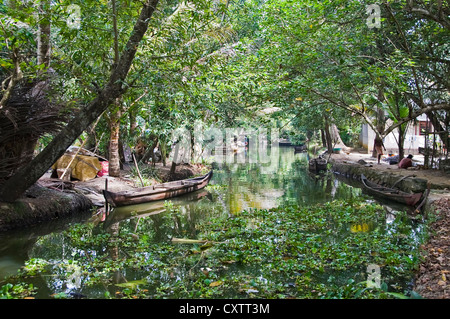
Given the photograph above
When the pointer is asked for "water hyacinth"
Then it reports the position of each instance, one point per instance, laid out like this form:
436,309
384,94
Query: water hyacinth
318,251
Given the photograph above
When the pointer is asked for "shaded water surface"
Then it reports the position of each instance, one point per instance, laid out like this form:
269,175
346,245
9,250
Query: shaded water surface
233,188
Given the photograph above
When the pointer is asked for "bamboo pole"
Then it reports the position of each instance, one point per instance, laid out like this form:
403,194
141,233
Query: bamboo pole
106,202
137,168
71,161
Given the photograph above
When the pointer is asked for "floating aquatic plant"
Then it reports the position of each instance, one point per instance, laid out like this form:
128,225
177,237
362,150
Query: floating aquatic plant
318,251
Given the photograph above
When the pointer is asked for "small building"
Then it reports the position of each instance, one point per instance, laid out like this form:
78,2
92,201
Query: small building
414,137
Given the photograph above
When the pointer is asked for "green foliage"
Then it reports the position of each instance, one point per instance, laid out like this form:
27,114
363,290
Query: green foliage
322,59
304,252
16,37
34,266
251,63
17,291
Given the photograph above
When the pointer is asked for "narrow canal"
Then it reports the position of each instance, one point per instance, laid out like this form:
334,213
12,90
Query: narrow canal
235,187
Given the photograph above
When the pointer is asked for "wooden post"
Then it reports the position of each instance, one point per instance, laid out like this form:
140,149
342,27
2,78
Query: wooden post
106,202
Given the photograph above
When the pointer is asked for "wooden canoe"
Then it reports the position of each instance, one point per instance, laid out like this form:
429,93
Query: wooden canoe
157,192
410,199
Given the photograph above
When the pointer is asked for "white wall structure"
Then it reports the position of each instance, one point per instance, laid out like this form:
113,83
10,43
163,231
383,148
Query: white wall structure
414,138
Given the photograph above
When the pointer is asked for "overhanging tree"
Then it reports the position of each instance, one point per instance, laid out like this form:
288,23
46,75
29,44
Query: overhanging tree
328,54
16,185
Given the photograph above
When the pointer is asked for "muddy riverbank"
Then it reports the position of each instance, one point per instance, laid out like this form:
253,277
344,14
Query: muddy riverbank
433,276
42,204
51,198
352,165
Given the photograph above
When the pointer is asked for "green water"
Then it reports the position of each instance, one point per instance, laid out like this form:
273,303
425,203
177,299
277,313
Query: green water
241,186
234,187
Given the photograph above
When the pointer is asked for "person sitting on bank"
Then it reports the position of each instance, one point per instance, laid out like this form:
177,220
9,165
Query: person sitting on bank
406,162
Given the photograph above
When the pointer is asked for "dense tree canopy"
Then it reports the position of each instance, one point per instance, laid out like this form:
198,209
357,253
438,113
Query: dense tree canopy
328,55
140,69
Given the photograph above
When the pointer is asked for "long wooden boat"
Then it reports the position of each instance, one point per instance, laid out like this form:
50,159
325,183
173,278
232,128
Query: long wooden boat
157,192
410,199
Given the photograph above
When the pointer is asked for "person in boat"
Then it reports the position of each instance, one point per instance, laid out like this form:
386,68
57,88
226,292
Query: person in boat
378,145
406,162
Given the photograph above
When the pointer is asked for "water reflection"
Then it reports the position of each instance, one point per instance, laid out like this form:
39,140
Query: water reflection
242,185
250,187
15,246
148,209
235,187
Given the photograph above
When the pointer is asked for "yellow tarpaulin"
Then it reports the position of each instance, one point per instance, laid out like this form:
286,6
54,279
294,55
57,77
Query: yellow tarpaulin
82,168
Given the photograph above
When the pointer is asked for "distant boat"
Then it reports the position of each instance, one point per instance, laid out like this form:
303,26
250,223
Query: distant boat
157,192
409,199
301,148
317,165
284,142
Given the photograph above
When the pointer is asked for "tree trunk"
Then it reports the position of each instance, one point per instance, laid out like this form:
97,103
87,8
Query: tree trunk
43,37
114,155
114,124
14,187
323,137
328,136
380,124
133,122
401,142
336,137
163,147
174,161
442,132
